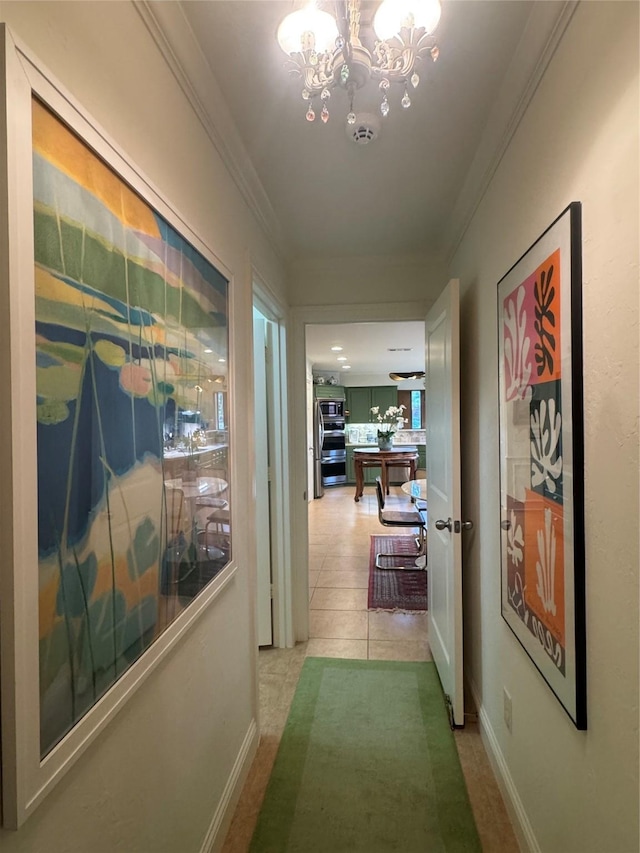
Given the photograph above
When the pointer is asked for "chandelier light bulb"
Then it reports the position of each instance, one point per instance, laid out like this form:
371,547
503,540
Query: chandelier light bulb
392,15
326,59
308,29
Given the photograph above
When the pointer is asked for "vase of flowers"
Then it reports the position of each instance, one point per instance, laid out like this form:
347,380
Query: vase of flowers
388,423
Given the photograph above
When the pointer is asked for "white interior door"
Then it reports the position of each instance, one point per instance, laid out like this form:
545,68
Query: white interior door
443,494
263,531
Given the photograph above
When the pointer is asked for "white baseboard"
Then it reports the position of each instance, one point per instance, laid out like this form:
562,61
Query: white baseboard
521,825
214,839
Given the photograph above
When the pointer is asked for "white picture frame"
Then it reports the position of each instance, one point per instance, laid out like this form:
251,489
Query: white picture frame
27,777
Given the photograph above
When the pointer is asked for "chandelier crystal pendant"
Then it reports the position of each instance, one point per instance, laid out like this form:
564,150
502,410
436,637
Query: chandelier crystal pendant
326,51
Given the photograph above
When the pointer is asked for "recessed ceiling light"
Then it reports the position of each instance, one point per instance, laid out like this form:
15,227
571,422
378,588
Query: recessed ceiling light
346,367
208,350
341,358
336,349
222,360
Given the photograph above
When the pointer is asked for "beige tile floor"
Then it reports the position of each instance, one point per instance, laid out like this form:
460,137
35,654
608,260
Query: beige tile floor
341,626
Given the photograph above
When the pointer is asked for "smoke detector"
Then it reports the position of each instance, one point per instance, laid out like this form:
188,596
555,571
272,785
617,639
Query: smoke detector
365,129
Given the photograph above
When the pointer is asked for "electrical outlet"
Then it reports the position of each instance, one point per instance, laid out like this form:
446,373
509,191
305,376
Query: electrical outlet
508,716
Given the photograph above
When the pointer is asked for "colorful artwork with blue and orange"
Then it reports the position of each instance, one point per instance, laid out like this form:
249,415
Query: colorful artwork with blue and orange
531,368
131,333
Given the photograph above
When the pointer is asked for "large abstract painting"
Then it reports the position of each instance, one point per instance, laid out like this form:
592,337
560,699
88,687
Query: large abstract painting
133,513
541,458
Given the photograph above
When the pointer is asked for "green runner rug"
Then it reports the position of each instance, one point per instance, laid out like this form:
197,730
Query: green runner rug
367,763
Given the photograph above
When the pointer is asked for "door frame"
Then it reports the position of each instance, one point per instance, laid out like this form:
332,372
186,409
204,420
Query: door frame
300,318
280,522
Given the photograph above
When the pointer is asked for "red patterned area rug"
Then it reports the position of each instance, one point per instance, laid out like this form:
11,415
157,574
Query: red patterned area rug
395,589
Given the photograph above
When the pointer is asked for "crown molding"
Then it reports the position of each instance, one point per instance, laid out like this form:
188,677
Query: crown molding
172,34
544,31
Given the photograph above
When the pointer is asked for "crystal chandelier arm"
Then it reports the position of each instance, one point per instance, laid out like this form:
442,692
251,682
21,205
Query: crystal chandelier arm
397,57
327,54
314,77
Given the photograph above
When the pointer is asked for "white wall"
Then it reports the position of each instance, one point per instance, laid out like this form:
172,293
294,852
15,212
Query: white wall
152,781
578,791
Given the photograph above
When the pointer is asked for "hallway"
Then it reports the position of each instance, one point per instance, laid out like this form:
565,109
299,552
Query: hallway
341,626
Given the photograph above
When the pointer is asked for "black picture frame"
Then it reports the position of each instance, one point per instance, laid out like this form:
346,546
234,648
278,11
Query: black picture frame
541,453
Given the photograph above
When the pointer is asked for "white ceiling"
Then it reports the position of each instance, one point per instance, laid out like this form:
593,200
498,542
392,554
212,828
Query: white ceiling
318,195
369,347
333,198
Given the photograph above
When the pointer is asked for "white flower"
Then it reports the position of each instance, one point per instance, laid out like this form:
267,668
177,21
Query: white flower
390,421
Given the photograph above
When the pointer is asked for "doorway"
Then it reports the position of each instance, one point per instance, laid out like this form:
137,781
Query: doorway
354,363
271,488
300,380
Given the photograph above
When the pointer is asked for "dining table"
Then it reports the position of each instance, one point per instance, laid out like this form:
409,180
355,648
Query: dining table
374,457
416,489
200,487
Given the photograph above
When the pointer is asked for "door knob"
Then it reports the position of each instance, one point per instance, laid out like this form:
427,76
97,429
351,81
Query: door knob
467,525
443,525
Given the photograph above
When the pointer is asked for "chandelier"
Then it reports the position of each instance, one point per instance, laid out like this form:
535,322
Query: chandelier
326,52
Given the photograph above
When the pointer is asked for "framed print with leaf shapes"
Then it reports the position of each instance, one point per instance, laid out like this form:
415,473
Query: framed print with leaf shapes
117,470
542,458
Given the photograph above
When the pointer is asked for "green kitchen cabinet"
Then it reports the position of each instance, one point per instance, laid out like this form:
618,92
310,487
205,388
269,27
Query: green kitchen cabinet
351,471
384,396
330,392
358,405
359,402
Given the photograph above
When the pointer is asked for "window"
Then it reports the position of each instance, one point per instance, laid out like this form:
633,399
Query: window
416,410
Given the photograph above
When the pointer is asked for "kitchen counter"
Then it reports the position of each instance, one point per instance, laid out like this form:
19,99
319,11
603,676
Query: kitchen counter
209,459
358,435
177,453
